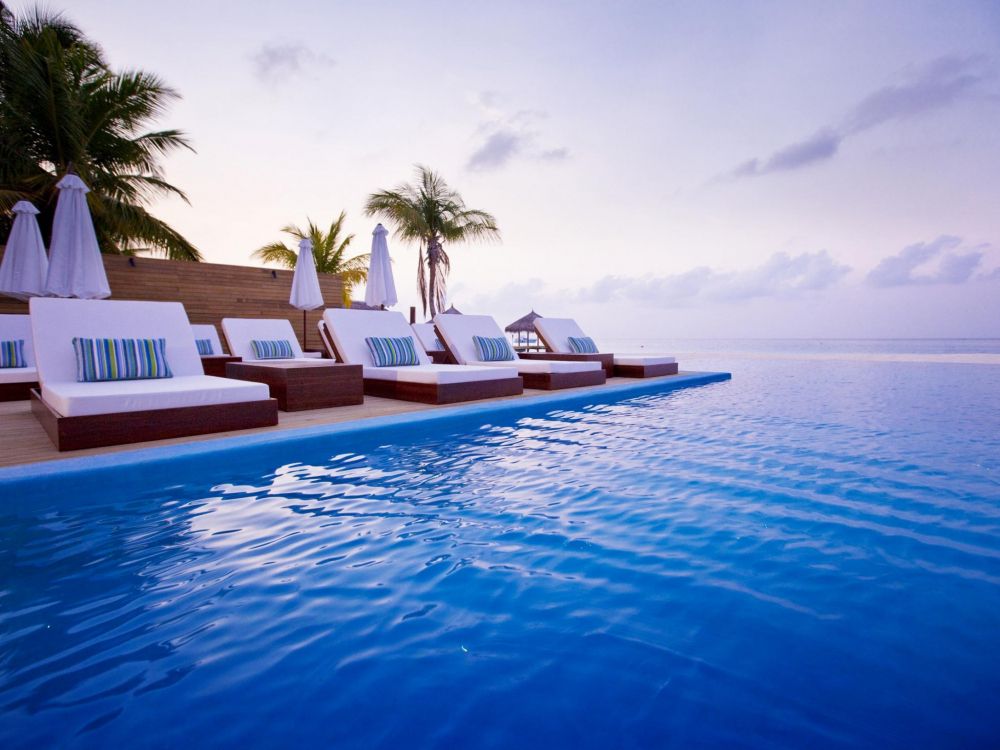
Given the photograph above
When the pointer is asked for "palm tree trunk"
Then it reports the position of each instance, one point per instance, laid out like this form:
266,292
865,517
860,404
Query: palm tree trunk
432,267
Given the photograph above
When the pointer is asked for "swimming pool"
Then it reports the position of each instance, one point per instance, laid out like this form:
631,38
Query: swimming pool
806,556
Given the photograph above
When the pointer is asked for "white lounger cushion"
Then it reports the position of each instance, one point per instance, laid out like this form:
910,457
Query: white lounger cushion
427,337
18,374
349,328
438,374
12,328
240,332
208,331
458,330
642,360
544,366
556,333
55,322
82,399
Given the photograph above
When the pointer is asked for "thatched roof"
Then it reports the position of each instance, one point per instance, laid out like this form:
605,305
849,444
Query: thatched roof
525,324
452,311
359,305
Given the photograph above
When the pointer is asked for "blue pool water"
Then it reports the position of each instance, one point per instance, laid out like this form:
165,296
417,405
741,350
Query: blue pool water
805,556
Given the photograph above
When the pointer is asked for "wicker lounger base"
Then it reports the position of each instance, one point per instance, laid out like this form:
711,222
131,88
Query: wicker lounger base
94,431
645,371
554,381
445,393
215,364
17,391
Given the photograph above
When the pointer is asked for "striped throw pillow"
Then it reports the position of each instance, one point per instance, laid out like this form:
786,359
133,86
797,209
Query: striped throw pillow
493,349
392,352
12,354
204,346
582,345
120,359
272,349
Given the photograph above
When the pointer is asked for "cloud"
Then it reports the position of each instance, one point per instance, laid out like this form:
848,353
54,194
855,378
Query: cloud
498,149
780,275
504,136
914,264
942,83
275,63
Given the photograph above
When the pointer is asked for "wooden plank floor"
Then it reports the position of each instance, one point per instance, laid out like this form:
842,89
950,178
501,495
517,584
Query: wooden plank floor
22,440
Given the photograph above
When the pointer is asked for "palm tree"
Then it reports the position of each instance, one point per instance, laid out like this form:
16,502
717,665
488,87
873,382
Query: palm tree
329,251
62,108
431,213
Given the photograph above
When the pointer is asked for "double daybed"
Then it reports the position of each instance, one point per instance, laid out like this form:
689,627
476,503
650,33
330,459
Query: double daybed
560,334
458,334
78,411
345,332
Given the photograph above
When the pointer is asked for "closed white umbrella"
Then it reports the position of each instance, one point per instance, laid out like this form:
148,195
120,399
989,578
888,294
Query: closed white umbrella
380,289
75,265
25,266
306,294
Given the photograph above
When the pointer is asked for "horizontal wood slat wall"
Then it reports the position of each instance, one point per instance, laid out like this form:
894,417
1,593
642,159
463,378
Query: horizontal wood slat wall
210,291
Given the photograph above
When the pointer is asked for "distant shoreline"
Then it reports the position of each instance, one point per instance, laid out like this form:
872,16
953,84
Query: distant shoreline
951,359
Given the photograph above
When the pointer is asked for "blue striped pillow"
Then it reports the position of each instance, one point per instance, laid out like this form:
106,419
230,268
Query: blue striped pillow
493,349
12,354
120,359
272,349
582,345
392,352
204,346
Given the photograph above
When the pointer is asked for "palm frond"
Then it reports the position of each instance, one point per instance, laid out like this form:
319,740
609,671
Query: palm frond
276,253
61,103
430,213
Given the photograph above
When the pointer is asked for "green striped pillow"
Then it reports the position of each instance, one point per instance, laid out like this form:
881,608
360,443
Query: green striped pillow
582,345
495,349
204,346
12,354
272,349
392,352
120,359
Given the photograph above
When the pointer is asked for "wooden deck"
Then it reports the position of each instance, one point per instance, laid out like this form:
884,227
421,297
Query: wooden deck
23,441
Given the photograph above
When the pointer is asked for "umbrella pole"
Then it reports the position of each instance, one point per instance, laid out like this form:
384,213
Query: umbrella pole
303,329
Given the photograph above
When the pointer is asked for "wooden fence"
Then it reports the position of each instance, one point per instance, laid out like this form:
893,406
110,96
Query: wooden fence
210,291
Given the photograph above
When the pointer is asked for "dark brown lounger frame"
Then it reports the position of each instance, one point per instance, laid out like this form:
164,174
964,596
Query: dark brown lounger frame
97,430
619,371
431,393
17,391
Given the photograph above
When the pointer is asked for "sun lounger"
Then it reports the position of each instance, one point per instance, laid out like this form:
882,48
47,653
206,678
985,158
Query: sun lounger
456,333
433,347
240,334
91,414
213,357
344,332
16,383
299,381
555,333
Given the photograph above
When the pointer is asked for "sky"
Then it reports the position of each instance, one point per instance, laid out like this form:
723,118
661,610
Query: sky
657,169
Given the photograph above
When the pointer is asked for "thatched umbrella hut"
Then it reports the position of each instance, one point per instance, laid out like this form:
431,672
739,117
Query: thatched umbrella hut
524,327
359,305
452,311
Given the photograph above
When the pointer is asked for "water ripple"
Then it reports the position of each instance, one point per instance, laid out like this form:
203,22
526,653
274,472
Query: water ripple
791,559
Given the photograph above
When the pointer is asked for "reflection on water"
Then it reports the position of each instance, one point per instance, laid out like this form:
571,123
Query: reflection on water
806,556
